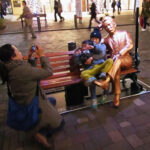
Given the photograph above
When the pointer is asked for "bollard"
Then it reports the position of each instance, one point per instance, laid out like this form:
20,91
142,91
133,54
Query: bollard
75,21
71,46
39,24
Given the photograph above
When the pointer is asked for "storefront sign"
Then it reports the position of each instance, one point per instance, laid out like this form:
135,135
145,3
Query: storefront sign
16,3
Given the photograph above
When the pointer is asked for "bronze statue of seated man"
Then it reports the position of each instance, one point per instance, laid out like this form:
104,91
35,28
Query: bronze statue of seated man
119,44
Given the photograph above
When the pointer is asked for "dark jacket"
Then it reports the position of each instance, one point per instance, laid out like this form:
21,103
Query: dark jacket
145,9
93,10
23,79
2,10
98,54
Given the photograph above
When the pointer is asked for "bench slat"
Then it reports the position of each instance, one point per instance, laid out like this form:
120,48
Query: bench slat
131,70
54,54
60,64
47,84
52,59
61,71
67,74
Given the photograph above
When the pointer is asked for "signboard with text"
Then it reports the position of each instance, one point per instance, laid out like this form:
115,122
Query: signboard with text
16,3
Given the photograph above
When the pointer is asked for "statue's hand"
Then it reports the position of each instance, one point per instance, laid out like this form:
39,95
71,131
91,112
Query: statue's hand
100,26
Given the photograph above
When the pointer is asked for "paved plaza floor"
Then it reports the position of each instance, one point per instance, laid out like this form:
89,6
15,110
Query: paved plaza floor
125,128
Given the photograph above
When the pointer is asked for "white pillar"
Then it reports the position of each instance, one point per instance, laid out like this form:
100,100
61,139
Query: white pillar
79,10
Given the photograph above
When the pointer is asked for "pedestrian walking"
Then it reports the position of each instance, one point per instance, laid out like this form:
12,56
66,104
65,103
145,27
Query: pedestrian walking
113,5
28,20
119,6
145,13
105,7
2,12
5,5
93,14
58,10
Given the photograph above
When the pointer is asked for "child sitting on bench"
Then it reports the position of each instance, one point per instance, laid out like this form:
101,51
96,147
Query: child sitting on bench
92,56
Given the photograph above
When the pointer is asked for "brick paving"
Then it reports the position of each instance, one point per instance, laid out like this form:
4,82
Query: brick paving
125,128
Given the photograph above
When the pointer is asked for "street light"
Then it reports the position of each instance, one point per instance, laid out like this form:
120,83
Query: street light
137,58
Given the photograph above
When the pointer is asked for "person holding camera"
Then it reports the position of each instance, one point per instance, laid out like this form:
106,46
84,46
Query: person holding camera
22,82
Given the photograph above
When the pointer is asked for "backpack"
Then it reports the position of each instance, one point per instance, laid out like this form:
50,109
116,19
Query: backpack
20,116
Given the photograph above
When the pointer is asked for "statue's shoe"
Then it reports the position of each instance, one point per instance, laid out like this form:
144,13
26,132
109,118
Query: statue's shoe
102,83
116,101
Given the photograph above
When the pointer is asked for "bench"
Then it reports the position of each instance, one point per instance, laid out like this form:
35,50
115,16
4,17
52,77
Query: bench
65,74
37,16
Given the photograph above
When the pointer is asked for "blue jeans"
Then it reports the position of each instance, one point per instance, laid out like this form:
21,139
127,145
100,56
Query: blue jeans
52,100
145,22
93,91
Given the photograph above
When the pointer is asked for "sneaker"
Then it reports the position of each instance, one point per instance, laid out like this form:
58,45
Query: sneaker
102,75
102,100
143,29
94,103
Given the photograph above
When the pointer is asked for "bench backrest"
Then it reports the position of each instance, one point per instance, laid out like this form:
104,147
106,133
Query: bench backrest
63,73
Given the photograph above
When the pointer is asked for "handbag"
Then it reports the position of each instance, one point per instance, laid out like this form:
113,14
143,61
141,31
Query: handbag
20,116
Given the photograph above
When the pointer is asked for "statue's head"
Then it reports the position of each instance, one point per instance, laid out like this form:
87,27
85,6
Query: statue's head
109,24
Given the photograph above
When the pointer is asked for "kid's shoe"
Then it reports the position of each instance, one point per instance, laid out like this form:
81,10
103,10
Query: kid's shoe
102,100
94,103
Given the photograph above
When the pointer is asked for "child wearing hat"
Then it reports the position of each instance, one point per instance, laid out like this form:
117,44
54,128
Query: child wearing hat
92,56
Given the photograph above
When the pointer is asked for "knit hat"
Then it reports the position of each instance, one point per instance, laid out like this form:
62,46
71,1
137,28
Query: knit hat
96,33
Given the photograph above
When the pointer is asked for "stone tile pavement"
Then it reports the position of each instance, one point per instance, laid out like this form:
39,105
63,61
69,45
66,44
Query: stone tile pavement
106,128
13,25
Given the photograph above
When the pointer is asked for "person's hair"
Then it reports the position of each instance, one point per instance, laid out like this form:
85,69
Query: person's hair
24,2
88,42
6,54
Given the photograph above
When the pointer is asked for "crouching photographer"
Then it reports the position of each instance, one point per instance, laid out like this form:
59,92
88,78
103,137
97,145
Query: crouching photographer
28,110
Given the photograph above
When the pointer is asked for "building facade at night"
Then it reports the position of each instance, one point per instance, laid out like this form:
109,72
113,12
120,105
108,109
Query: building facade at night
41,6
